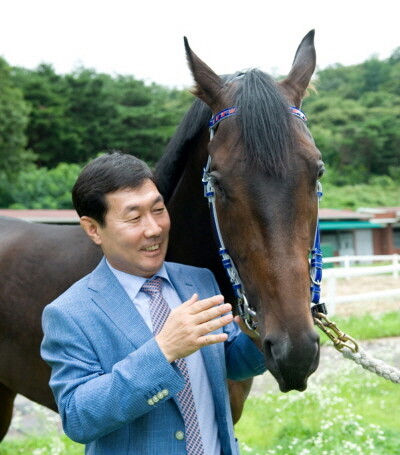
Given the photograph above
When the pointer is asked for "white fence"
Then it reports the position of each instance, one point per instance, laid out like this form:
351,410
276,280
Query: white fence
347,270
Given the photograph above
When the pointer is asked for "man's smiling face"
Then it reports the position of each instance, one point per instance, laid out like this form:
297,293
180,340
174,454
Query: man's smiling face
134,238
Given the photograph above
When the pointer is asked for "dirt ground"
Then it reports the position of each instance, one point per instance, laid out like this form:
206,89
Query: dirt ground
365,284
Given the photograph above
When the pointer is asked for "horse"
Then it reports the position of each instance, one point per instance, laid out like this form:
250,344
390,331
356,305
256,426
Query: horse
264,166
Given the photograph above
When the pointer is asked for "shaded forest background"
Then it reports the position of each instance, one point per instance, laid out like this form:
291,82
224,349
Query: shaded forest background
51,125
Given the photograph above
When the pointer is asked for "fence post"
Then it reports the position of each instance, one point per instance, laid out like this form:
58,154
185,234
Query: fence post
395,264
331,294
346,264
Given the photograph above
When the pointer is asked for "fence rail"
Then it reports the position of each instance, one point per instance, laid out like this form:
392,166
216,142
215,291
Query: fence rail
348,270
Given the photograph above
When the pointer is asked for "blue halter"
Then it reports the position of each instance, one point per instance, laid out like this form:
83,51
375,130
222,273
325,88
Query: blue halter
248,314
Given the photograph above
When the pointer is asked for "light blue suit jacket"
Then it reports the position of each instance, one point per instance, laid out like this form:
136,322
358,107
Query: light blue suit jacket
107,367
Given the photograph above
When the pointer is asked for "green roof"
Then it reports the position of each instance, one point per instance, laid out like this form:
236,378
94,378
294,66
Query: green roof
346,225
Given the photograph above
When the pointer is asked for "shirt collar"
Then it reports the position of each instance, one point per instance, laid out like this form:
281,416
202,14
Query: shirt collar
132,283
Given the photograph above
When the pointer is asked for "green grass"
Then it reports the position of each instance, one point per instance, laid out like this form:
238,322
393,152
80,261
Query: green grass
347,412
51,444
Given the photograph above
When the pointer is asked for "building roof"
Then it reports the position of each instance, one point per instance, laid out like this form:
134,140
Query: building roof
334,214
43,216
385,215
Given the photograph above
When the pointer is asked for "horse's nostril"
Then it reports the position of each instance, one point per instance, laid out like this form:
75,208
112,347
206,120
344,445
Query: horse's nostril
267,346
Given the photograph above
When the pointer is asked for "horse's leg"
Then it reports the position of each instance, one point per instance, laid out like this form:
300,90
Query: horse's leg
6,409
238,392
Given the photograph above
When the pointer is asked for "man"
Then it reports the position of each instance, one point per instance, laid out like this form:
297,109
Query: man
116,339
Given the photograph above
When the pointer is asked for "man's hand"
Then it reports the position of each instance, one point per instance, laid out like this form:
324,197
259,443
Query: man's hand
188,326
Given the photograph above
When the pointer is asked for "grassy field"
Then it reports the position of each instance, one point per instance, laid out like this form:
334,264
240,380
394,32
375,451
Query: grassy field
345,409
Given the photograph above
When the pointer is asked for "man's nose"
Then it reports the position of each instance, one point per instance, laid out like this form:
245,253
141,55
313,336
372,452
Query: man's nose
152,228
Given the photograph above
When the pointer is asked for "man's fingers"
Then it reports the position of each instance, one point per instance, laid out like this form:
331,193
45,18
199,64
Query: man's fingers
212,313
202,305
208,340
191,301
215,324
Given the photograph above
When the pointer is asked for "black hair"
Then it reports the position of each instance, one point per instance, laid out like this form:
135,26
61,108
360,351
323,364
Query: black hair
106,174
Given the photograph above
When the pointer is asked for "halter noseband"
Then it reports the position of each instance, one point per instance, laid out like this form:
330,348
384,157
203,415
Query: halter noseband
246,312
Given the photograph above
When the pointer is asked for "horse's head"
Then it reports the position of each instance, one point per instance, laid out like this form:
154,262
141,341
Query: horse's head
265,167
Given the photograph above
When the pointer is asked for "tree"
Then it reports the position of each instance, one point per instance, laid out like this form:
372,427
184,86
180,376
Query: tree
76,116
41,188
14,113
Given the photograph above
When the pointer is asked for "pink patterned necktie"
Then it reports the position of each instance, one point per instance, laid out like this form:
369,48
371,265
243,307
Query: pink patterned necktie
159,311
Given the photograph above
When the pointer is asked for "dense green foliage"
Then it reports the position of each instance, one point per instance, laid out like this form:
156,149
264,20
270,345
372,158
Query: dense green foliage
14,112
47,119
355,119
76,116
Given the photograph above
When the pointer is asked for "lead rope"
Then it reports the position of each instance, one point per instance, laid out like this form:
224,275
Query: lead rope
351,350
373,365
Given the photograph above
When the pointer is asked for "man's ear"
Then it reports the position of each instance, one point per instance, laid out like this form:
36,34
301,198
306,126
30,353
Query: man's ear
92,228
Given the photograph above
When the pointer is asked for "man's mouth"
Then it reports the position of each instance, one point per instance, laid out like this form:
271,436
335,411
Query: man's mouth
152,247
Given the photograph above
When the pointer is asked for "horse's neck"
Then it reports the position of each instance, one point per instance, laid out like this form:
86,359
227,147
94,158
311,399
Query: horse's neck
187,206
191,238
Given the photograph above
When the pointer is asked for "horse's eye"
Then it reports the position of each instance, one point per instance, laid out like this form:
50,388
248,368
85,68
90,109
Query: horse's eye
215,176
321,171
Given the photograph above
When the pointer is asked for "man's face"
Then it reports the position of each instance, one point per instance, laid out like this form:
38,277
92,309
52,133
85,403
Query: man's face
134,238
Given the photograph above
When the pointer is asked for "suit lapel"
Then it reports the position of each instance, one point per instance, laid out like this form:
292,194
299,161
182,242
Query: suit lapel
182,282
112,299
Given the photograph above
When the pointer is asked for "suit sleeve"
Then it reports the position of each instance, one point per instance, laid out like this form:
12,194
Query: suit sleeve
93,403
243,358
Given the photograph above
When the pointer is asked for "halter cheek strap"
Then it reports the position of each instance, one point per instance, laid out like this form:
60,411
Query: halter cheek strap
248,314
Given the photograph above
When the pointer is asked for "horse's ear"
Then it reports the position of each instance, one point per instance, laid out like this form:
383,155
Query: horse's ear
303,68
208,84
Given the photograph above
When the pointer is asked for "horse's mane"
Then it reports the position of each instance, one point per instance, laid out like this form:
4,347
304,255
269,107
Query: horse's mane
264,121
171,165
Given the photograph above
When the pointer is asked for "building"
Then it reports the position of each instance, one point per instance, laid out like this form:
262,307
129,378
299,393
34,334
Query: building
387,239
347,233
343,232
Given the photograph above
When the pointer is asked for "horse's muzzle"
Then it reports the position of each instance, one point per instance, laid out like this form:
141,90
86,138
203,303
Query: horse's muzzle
292,362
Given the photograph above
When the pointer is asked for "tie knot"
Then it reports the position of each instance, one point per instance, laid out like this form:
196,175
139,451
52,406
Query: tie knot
153,286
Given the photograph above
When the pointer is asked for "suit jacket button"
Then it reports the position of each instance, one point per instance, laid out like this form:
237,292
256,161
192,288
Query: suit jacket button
180,435
160,395
150,402
156,399
165,392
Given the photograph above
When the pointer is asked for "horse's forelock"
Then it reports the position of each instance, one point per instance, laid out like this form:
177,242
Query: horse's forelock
264,121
